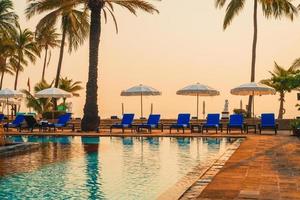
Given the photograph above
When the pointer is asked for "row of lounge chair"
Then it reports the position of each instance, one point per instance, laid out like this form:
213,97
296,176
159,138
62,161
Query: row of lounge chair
29,122
236,121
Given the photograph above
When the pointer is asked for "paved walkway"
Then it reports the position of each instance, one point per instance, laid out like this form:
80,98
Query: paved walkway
264,167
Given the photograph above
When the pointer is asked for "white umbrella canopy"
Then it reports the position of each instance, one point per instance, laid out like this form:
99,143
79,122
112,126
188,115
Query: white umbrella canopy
141,90
9,93
198,90
254,89
53,93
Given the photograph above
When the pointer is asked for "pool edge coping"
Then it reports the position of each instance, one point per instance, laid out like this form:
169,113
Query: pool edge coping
188,186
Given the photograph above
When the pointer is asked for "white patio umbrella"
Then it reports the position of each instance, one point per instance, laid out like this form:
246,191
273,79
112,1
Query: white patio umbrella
8,94
198,90
53,93
253,89
141,90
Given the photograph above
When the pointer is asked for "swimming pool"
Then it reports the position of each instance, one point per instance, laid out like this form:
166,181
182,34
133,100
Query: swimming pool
103,168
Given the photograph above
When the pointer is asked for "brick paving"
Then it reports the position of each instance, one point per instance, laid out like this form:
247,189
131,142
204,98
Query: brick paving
263,167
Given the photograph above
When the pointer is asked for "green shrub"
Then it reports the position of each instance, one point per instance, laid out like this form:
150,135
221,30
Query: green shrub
295,124
240,111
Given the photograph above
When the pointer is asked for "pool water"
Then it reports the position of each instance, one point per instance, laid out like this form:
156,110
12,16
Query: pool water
103,168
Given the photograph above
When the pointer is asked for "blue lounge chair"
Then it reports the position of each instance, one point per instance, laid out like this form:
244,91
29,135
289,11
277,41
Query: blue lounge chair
125,123
183,121
17,123
1,117
152,123
62,122
236,121
31,123
268,122
212,122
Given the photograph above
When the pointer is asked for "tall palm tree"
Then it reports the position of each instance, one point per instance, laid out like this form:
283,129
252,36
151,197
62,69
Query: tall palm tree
8,19
26,50
47,38
280,81
73,20
6,51
270,8
91,119
4,69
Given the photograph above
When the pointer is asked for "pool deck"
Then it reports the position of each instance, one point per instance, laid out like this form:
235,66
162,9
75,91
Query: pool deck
263,167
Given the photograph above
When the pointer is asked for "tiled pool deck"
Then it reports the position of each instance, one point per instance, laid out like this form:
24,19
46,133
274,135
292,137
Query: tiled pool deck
263,167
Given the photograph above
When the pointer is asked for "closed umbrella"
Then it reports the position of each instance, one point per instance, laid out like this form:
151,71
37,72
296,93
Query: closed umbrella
8,94
141,90
198,90
253,89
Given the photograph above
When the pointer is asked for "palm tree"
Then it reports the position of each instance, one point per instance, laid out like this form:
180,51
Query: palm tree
8,19
26,49
6,51
4,69
74,23
281,81
270,8
39,105
47,38
67,84
91,120
70,86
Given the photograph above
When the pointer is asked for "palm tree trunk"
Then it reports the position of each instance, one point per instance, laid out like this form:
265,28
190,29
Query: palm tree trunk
2,75
16,79
281,108
17,75
253,61
45,63
1,82
91,120
61,55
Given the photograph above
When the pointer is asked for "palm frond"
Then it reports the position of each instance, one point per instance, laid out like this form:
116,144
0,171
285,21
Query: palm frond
232,10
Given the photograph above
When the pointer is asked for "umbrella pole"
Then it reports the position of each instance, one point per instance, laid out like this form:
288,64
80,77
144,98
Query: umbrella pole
7,108
122,108
253,107
197,106
203,109
141,105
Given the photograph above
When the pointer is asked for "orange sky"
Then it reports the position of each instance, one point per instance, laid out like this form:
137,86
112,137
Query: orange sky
182,45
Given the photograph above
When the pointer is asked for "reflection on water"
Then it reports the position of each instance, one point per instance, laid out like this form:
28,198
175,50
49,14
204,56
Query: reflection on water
103,168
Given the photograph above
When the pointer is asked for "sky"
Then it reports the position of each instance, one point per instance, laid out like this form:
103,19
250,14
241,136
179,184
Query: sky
183,44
